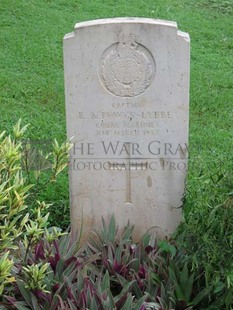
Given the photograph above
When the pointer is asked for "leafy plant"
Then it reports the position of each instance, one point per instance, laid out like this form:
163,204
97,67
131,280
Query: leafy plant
5,271
15,224
110,272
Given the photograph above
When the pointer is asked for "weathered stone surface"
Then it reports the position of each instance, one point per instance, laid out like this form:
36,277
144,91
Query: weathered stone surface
127,105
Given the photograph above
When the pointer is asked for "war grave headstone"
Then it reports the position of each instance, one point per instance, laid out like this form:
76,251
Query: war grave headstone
127,112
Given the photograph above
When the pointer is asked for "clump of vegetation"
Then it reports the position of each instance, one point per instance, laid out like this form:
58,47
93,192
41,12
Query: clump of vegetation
19,223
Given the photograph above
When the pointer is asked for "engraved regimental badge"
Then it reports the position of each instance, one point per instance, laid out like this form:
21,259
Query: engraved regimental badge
127,68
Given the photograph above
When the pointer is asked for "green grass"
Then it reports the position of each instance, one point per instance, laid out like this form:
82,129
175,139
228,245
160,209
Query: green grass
32,88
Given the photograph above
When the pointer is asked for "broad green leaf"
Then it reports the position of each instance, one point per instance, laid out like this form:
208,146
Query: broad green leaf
25,293
200,296
128,305
112,229
106,282
124,291
20,305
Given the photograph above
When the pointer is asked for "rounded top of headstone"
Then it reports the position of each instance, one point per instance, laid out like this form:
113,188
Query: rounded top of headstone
122,20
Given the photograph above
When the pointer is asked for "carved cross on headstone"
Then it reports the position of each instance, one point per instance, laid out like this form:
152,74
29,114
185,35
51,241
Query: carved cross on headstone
128,166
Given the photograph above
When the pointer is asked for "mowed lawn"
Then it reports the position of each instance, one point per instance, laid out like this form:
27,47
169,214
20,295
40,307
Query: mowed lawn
32,88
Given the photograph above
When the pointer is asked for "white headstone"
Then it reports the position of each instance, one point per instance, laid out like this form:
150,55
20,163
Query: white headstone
127,105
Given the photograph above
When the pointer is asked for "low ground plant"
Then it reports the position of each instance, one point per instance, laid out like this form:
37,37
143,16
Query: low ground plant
109,272
20,223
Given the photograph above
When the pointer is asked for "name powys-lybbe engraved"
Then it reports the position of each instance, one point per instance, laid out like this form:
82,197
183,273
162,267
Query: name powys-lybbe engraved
127,68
